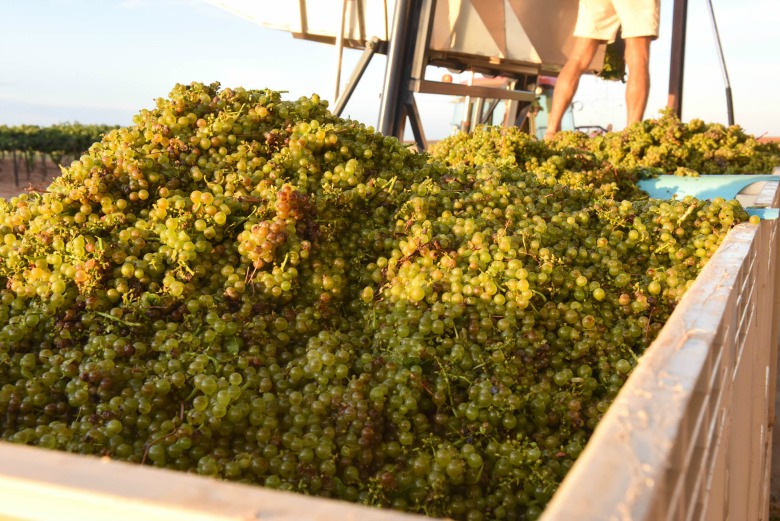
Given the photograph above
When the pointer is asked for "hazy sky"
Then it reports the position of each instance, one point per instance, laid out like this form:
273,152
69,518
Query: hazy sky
101,61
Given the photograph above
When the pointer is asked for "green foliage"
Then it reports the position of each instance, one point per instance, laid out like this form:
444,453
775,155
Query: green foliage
56,141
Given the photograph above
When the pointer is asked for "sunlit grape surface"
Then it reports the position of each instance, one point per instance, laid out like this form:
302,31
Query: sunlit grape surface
251,288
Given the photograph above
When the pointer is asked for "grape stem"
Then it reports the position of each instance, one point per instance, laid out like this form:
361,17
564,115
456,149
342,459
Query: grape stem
447,381
422,384
148,445
390,182
686,214
112,317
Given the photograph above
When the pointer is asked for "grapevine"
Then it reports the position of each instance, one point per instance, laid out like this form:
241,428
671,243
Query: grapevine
25,143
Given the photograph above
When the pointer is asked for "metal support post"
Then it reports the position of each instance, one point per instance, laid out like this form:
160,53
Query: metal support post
724,71
416,123
677,65
396,75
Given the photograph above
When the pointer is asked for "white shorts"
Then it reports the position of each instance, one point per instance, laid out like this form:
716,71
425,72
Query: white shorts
600,19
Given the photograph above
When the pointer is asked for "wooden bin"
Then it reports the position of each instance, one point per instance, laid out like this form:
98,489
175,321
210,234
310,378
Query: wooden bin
689,436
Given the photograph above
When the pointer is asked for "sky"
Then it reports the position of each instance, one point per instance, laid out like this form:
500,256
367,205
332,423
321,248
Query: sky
102,61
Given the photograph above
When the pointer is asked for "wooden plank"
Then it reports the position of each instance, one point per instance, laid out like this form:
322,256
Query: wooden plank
44,485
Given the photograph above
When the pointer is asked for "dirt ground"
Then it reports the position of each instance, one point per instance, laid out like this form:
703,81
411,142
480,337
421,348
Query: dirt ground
38,178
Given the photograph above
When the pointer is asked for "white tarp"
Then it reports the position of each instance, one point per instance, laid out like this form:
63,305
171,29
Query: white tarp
315,19
527,32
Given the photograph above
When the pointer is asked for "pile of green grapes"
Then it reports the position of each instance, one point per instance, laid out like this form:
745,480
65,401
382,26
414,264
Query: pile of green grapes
666,145
250,288
567,159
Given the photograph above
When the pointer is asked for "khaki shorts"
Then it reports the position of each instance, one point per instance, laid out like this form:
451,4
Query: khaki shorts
600,19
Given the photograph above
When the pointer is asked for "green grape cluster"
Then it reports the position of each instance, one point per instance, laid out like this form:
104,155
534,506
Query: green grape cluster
614,65
568,160
253,289
666,145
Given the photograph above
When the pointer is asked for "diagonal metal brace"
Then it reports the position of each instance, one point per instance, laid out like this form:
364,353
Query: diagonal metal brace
373,46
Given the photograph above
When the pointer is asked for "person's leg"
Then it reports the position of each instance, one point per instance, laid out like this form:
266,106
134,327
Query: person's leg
638,84
569,80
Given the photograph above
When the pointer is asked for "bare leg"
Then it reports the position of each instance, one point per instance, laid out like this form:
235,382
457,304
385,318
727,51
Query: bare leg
638,84
569,80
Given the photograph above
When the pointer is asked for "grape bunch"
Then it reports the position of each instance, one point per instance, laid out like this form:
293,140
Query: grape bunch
666,145
568,159
250,288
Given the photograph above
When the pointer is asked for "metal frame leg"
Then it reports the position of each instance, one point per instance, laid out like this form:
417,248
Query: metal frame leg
373,46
